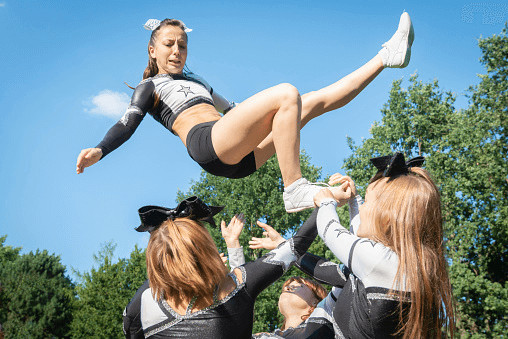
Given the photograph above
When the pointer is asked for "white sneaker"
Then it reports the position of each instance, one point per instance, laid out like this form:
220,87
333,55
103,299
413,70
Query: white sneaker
396,52
300,195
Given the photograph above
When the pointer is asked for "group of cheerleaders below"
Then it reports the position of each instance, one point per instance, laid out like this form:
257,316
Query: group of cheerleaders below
393,281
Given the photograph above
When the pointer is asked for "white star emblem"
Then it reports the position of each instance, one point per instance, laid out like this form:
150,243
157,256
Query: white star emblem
186,90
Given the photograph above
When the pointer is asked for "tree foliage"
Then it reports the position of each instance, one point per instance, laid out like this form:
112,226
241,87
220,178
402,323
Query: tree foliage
105,291
36,295
466,153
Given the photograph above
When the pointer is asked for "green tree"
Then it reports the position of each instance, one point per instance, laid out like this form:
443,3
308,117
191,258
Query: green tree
259,197
7,255
476,205
105,291
466,153
37,297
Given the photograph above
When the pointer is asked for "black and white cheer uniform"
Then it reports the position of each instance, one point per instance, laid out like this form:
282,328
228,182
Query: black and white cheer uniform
165,96
364,307
321,323
231,317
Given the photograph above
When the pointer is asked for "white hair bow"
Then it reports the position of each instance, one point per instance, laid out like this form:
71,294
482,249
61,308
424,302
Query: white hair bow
152,24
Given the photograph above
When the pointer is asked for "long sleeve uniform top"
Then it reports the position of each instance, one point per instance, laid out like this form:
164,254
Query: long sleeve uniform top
364,307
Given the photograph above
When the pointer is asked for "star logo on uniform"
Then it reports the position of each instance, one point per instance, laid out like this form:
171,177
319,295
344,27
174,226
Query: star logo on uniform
340,231
186,90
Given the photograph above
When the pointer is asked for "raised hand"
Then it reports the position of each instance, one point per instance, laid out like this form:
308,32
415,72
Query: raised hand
224,258
271,238
338,178
87,157
341,193
231,233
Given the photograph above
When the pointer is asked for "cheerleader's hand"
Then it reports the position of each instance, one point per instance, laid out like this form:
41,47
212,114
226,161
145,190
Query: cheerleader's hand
338,178
323,194
341,193
231,233
224,258
271,238
88,157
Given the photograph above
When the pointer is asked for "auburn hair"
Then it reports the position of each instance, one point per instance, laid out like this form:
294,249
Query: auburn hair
407,218
317,289
182,262
152,68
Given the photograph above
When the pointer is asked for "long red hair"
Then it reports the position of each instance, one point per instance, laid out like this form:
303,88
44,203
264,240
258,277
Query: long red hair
407,218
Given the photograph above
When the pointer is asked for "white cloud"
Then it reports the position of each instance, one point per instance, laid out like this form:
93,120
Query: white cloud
109,103
2,4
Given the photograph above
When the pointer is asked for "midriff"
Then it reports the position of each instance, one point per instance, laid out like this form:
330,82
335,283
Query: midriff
191,117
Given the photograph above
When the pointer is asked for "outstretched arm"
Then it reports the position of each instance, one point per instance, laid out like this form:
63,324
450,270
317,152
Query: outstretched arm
231,235
319,268
361,256
271,238
261,273
142,101
324,271
354,202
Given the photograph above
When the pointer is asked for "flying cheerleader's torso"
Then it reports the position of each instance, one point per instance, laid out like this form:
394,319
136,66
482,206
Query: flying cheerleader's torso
165,97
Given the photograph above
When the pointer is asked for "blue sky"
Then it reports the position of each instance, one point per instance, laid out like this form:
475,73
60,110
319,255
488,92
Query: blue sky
64,64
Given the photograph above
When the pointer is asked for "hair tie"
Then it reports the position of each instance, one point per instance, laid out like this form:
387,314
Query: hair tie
153,24
153,216
392,165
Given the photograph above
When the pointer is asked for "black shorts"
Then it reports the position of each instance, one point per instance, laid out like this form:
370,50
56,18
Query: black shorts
200,148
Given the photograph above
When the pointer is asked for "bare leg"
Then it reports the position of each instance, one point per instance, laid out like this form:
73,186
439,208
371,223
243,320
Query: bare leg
326,99
341,92
275,111
396,53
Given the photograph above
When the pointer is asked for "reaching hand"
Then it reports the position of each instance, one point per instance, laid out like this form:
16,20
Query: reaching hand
341,194
271,239
338,178
323,194
87,158
224,258
232,232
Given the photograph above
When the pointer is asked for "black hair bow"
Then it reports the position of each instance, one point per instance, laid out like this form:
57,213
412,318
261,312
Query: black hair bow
392,165
153,216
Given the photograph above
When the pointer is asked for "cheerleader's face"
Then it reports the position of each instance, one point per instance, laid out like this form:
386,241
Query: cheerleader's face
366,228
170,50
296,296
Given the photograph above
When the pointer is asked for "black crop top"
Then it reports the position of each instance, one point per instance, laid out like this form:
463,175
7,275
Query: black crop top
164,96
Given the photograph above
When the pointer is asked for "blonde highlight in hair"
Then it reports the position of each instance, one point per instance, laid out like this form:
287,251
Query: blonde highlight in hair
152,69
407,218
183,262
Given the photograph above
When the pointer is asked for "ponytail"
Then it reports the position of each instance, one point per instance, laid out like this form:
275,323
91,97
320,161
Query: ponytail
151,69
